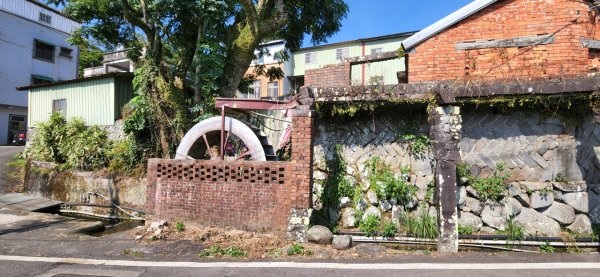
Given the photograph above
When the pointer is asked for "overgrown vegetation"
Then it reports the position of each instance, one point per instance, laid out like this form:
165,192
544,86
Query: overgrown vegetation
465,230
420,224
179,226
561,178
389,230
15,173
493,187
513,231
389,186
546,248
369,225
217,251
298,250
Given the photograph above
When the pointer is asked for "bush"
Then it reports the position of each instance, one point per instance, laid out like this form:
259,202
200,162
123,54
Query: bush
387,185
389,230
298,249
126,156
493,187
369,225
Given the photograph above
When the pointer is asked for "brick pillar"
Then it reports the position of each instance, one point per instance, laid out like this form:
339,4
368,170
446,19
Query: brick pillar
302,153
446,134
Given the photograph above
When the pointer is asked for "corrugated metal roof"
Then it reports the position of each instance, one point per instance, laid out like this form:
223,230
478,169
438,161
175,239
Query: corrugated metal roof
390,36
108,75
446,22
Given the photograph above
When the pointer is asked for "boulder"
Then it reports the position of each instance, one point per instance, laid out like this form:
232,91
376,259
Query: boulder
541,200
461,196
342,242
557,194
473,205
578,200
469,219
534,186
581,225
345,202
349,218
370,249
372,211
372,197
562,213
385,206
514,206
535,223
571,186
320,234
494,215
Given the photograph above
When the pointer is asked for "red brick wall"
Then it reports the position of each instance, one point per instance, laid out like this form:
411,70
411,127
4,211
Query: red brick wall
243,194
437,58
333,75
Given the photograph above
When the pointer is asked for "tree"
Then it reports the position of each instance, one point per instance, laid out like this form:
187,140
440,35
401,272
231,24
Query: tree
210,41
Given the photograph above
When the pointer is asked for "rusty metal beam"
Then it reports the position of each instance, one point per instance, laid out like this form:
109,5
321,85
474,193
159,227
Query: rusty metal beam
254,104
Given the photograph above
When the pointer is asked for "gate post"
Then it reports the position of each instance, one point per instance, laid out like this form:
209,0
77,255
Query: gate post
446,135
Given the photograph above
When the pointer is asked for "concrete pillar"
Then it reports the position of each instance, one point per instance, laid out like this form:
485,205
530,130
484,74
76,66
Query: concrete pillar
446,135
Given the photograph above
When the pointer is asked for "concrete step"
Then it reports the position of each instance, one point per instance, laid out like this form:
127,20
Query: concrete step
27,202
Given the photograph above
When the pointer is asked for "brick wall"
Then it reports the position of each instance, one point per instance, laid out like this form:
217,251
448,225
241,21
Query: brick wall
243,194
333,75
569,21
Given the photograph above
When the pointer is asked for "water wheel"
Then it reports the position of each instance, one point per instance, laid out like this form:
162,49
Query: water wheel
203,141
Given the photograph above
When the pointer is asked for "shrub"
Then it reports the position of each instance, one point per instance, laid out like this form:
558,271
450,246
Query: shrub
546,248
179,226
493,187
389,230
369,225
298,249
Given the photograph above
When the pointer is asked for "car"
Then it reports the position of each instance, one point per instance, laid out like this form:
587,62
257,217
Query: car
20,138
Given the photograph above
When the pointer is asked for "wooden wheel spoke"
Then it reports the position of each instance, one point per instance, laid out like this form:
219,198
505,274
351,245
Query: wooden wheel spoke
208,149
246,153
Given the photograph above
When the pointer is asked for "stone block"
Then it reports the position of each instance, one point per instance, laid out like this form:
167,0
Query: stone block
468,219
581,225
562,213
473,205
572,186
342,242
494,215
535,223
541,200
578,200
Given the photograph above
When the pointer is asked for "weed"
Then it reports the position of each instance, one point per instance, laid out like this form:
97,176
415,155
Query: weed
389,230
465,230
546,191
493,187
369,225
337,184
298,249
274,253
179,226
154,238
417,144
514,231
216,251
570,242
133,253
561,178
429,193
387,186
546,248
420,224
463,170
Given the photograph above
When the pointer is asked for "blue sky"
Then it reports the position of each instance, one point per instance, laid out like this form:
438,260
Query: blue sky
369,18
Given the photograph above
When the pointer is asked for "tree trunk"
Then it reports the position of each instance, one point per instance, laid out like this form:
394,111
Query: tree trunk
239,57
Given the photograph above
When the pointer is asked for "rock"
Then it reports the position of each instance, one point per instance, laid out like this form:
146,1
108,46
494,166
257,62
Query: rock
523,198
541,200
413,202
514,206
432,212
557,194
471,191
514,189
461,196
345,202
535,223
158,232
155,225
487,230
571,186
349,218
371,211
385,206
581,225
494,215
534,186
469,219
342,242
334,215
578,200
473,205
319,175
365,185
372,197
139,237
370,249
462,181
562,213
361,205
349,170
397,214
320,234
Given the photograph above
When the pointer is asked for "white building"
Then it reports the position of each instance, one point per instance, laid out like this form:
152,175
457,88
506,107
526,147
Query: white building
116,61
33,50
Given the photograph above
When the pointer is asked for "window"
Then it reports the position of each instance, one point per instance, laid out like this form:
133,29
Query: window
254,90
375,51
273,89
66,52
46,18
310,58
342,53
43,51
59,106
40,80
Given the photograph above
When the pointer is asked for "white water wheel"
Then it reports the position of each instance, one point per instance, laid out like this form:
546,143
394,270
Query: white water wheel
203,141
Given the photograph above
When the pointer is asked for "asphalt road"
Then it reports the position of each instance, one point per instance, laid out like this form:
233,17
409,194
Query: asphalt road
6,153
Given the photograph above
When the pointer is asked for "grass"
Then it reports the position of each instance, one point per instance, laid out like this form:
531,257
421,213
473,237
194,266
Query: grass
179,226
298,250
421,225
217,251
133,253
465,230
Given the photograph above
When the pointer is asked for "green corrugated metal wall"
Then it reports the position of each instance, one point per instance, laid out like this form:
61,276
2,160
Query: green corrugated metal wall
97,102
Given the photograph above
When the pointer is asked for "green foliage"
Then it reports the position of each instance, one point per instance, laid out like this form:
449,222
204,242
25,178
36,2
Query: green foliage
514,231
127,157
216,251
430,191
417,144
493,187
179,226
71,144
463,170
561,178
15,173
337,184
387,185
369,225
298,250
389,230
465,230
134,253
420,224
546,248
